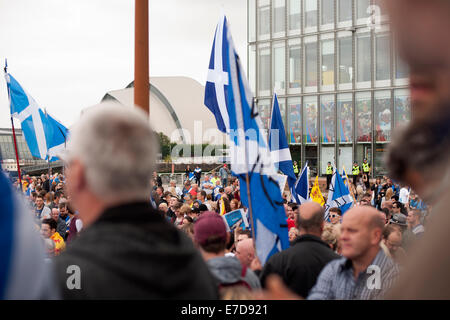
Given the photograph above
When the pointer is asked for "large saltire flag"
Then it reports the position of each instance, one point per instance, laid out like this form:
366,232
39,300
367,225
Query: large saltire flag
338,195
24,273
279,147
316,195
44,135
228,96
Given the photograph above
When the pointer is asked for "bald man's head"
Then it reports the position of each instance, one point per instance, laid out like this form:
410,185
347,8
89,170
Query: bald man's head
361,231
311,219
245,251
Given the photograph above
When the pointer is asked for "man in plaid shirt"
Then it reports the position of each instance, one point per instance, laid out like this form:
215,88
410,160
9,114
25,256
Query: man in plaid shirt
364,272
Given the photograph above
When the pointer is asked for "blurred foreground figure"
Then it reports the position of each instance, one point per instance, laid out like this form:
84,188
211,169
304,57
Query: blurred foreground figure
428,172
422,34
126,249
24,273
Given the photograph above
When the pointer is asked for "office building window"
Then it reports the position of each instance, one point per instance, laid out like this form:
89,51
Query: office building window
264,107
278,16
264,19
279,67
327,48
402,105
252,67
264,71
363,59
294,120
327,8
310,14
328,119
251,20
383,58
383,116
310,62
294,66
310,115
345,117
345,60
362,8
363,117
294,15
345,10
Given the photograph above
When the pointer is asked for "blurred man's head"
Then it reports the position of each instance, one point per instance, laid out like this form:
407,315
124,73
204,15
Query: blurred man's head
335,215
242,235
110,159
426,169
210,234
48,228
310,219
245,252
163,207
421,30
361,232
288,211
39,202
55,214
413,218
392,238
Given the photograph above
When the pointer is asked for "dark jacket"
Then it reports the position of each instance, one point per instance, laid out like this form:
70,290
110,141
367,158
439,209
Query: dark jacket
131,252
300,265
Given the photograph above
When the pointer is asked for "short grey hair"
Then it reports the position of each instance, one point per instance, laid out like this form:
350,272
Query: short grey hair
118,149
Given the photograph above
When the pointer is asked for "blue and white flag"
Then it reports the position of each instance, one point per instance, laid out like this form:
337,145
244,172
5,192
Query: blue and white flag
44,135
24,273
301,188
279,148
228,96
338,195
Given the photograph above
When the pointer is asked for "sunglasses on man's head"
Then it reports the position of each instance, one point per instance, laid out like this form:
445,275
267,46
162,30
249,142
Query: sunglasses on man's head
333,215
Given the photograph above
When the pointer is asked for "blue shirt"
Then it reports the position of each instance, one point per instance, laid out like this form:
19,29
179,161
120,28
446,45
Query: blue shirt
336,281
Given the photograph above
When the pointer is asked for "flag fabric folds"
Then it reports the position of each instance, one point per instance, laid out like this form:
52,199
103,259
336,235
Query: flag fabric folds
301,189
338,195
316,195
228,96
279,148
24,273
44,135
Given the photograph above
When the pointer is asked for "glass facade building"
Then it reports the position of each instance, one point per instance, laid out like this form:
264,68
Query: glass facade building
7,151
340,84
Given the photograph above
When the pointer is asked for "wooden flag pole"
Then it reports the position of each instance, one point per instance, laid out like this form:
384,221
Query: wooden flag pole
141,63
17,154
14,134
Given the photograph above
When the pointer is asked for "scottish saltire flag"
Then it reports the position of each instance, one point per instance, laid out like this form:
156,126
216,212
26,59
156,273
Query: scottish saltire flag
44,135
279,148
338,195
24,273
228,96
191,176
301,189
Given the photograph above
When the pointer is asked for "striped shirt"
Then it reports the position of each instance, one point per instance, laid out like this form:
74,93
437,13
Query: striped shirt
336,281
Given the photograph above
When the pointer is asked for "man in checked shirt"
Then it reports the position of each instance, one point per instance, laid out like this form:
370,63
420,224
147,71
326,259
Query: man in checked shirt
364,272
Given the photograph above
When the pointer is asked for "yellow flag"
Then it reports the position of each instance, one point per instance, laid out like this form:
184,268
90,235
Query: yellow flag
222,207
316,195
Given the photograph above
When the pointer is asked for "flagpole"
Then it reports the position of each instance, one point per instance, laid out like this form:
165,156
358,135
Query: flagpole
14,134
17,154
141,54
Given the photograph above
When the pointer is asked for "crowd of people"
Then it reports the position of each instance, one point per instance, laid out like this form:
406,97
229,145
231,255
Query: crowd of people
52,213
389,218
391,244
